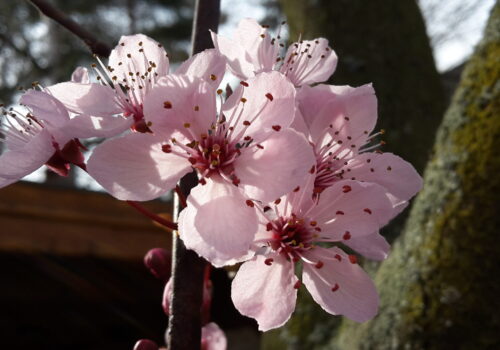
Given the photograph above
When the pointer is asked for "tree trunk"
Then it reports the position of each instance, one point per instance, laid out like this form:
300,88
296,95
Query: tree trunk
440,288
384,42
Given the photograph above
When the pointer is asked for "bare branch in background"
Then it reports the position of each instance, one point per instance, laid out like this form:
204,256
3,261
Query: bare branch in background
23,52
60,17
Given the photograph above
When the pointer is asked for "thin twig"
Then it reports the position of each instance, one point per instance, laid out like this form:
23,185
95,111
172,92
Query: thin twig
152,216
95,46
182,197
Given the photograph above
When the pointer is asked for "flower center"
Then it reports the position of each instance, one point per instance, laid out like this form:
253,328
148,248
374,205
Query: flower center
291,236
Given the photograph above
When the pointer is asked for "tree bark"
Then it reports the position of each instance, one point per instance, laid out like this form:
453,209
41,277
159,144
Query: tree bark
384,42
440,288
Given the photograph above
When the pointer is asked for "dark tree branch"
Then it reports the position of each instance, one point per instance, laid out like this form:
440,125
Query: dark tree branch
184,328
95,46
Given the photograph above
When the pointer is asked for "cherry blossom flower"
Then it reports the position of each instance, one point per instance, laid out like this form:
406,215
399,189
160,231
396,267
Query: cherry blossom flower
339,121
135,66
44,135
252,50
295,229
245,152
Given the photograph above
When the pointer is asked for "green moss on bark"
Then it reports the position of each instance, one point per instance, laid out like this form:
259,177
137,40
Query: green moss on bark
384,42
440,288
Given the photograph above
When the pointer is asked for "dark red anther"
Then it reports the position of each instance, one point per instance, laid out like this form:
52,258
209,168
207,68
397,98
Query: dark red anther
167,104
269,226
269,96
247,138
353,259
318,229
166,148
319,264
296,189
236,181
202,181
366,210
244,83
297,284
249,203
347,235
338,257
313,223
246,123
269,261
313,169
260,146
346,188
339,212
276,127
277,201
335,287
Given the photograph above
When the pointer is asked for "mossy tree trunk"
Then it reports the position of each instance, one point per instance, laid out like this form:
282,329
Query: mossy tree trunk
440,289
384,42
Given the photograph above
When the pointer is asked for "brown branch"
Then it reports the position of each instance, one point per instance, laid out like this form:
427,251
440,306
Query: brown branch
95,46
184,327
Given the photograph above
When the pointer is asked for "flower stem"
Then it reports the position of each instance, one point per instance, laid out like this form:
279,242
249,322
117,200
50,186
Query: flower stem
152,216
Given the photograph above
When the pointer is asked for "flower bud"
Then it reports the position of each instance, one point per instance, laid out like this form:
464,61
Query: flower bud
158,261
145,344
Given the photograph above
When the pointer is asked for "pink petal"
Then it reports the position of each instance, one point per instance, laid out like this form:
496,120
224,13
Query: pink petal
388,170
355,207
269,106
264,290
84,126
134,167
212,337
340,287
167,296
90,99
235,55
45,107
138,61
218,224
208,65
373,246
281,166
179,101
309,62
260,50
19,162
80,75
323,105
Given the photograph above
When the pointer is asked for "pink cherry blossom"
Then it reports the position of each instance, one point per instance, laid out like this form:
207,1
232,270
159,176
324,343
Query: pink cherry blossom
246,152
294,229
339,121
135,66
252,50
44,135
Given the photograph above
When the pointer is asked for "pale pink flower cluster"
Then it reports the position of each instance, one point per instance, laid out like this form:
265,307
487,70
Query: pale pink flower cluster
286,173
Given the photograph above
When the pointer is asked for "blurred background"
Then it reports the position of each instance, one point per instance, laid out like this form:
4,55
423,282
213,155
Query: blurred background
71,256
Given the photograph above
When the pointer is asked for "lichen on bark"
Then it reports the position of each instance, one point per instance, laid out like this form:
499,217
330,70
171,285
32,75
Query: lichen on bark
440,288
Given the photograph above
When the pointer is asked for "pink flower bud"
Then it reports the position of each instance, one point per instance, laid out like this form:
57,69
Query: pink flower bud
145,344
158,261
